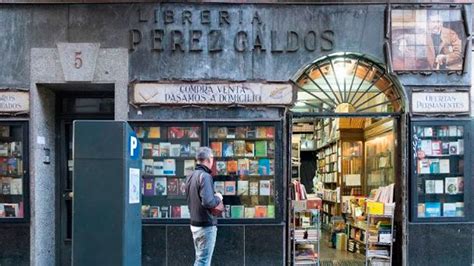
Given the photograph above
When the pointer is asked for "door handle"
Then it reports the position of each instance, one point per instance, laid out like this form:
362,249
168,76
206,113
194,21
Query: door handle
68,195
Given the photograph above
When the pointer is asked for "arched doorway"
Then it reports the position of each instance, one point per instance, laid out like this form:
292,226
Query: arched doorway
347,150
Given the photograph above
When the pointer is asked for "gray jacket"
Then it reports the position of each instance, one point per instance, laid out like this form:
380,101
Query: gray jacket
200,197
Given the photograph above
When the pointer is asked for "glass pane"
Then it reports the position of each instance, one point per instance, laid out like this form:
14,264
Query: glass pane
11,172
439,170
88,105
346,84
168,157
379,167
244,169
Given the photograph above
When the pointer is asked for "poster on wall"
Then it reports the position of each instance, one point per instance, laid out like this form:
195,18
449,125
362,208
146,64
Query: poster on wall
427,39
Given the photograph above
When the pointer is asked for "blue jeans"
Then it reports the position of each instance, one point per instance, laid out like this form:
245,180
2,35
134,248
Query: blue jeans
204,242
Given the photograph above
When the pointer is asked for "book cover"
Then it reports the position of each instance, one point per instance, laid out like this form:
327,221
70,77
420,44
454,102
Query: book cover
176,133
154,212
185,150
243,188
228,149
213,132
449,209
164,212
231,133
439,186
172,186
216,148
251,133
264,166
157,167
12,166
169,167
453,148
264,187
428,132
270,132
175,150
271,171
452,131
421,210
429,187
434,166
227,211
16,186
221,167
15,148
432,209
232,167
140,131
145,211
237,211
423,166
249,212
160,186
229,188
149,187
241,132
261,148
11,210
244,166
147,166
193,132
189,166
460,146
253,188
194,146
219,186
222,132
426,146
175,211
165,148
253,167
436,148
260,211
460,184
444,167
249,149
147,149
271,149
154,133
261,132
271,211
185,211
182,186
451,186
155,152
444,148
239,148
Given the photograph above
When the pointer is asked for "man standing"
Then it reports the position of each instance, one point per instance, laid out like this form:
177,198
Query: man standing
201,198
444,46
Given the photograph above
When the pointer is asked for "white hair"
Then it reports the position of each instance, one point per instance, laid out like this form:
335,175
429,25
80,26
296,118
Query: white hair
203,153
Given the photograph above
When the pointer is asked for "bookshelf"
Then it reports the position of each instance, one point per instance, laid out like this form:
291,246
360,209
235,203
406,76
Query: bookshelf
379,239
13,175
439,172
305,233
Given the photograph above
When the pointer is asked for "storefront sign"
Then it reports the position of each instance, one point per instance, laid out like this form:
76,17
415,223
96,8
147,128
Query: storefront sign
14,101
440,102
216,94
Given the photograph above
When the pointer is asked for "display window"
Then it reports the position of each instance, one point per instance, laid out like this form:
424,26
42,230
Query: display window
243,169
13,173
440,174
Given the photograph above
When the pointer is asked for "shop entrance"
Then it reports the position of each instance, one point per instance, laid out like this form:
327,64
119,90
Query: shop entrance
346,158
73,106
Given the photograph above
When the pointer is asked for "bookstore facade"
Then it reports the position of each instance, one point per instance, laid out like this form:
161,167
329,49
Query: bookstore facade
353,119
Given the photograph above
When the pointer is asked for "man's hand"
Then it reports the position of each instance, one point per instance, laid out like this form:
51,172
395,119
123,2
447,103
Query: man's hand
219,195
441,59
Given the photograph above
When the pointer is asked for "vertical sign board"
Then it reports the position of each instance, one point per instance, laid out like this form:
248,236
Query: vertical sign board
107,226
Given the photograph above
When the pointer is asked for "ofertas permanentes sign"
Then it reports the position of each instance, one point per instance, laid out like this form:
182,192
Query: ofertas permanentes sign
218,94
440,102
14,101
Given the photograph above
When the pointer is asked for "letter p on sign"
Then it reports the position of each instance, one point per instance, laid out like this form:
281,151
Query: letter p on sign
133,145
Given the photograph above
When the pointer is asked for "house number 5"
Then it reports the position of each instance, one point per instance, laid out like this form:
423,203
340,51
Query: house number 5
78,60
